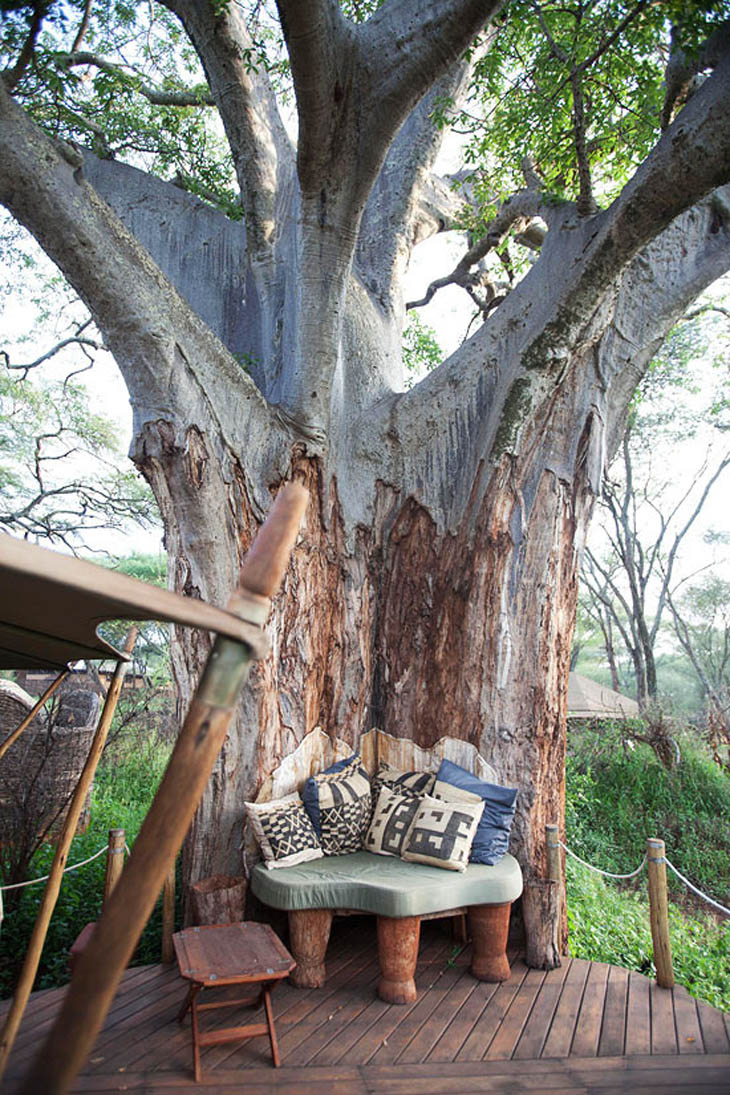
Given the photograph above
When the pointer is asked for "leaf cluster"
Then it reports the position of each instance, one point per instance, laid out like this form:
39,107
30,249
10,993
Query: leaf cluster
551,59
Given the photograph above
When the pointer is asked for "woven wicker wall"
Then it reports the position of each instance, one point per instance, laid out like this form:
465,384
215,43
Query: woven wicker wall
41,770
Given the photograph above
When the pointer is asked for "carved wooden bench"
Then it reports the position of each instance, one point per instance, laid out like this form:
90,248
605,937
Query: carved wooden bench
400,895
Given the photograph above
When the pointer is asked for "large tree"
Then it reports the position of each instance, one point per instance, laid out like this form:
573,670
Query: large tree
433,591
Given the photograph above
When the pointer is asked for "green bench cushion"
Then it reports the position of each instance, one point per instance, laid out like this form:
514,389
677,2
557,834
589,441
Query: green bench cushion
385,885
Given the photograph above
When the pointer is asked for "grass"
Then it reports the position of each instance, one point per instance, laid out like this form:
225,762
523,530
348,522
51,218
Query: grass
614,800
123,789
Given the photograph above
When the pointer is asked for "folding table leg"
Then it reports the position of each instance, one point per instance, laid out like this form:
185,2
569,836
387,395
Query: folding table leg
196,1034
192,991
270,1022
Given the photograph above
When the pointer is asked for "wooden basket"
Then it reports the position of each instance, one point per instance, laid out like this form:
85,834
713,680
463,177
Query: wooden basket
220,899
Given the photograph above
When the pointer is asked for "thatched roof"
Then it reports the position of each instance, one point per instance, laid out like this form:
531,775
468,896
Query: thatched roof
588,700
52,604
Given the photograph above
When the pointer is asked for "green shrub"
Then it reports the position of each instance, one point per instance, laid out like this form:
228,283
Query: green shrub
125,784
615,799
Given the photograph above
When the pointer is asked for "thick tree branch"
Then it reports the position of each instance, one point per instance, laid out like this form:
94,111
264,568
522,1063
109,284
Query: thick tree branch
407,204
261,150
127,75
160,344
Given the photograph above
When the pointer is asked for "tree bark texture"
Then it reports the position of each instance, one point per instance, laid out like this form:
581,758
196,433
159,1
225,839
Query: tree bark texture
434,585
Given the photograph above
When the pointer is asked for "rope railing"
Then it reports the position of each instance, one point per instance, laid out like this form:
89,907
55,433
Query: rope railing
606,874
656,863
45,877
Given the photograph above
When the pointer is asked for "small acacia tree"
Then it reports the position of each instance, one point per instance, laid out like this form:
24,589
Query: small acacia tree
434,587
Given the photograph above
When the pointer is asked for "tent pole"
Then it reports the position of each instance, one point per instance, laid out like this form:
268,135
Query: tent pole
112,943
55,878
12,738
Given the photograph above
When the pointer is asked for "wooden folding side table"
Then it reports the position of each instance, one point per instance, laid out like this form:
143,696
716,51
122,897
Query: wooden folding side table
231,954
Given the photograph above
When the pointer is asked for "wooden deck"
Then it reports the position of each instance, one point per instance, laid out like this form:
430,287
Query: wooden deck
584,1028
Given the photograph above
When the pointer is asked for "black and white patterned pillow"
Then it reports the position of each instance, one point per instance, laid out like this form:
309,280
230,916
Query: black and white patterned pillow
344,810
415,783
442,833
284,832
390,822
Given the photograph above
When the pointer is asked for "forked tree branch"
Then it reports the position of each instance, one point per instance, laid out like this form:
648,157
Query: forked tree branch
242,91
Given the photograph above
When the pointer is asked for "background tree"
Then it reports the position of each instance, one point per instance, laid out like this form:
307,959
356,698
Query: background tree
648,510
61,472
434,587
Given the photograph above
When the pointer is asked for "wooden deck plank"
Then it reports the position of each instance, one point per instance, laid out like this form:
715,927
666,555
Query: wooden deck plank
638,1015
378,1035
560,1035
590,1018
422,1042
714,1033
400,1037
481,1034
510,1029
536,1029
687,1023
613,1029
435,1032
663,1031
462,1023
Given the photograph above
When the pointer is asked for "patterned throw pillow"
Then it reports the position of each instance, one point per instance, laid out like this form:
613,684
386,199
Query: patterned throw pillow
441,833
418,783
344,810
284,832
310,790
390,822
492,837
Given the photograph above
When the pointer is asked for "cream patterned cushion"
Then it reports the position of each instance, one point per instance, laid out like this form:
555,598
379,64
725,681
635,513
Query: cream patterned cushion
441,833
390,822
344,809
284,832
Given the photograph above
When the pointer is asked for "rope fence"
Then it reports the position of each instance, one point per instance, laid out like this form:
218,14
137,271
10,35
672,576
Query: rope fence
116,851
639,869
656,862
45,877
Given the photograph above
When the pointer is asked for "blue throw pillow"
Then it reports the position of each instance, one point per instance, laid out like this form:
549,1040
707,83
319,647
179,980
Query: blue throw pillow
310,790
491,840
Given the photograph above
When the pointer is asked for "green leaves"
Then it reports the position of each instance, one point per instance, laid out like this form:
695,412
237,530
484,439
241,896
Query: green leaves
525,88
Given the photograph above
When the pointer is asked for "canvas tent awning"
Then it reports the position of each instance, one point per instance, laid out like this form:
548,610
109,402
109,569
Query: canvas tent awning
588,700
52,604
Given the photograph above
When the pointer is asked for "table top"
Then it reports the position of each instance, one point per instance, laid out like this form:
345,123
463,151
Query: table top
231,954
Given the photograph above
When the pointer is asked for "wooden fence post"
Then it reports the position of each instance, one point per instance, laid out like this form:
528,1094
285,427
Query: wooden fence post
552,851
168,915
114,860
659,913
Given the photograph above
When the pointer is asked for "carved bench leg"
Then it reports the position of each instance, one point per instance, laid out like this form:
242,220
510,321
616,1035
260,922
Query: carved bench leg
309,933
398,953
489,928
